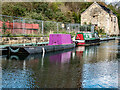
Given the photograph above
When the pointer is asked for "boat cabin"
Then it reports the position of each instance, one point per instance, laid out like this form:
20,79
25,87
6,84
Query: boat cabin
59,39
83,38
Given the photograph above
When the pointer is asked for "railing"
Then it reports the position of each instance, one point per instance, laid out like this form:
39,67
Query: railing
25,26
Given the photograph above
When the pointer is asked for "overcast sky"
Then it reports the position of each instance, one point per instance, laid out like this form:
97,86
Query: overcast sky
109,1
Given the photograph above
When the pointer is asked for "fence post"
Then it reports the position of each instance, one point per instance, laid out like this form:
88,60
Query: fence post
39,28
69,27
42,28
23,22
13,27
24,27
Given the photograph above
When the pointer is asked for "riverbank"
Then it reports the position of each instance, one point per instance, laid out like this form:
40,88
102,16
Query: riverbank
20,40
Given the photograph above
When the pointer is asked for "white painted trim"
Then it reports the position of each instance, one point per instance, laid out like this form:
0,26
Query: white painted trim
79,40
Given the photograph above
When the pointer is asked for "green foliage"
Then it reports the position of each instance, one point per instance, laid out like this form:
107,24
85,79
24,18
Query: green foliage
19,10
46,10
85,23
100,31
40,7
76,17
54,7
35,15
49,26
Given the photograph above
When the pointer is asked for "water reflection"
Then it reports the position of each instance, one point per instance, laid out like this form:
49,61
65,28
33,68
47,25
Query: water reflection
61,58
15,75
87,67
106,51
101,66
100,75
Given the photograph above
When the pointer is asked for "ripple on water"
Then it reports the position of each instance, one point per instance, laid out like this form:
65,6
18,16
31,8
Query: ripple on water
100,75
17,79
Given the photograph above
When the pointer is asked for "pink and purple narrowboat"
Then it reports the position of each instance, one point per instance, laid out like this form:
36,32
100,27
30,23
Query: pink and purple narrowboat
56,42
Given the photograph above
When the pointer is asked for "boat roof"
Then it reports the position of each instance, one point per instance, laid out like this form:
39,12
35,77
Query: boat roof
84,32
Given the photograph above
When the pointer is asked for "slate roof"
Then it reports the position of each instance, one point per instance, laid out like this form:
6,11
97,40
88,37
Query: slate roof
106,9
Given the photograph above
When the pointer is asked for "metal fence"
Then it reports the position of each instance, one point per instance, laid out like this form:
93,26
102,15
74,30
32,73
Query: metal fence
25,26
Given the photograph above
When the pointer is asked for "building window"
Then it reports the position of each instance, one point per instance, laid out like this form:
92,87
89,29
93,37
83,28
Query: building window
111,19
114,28
114,19
96,25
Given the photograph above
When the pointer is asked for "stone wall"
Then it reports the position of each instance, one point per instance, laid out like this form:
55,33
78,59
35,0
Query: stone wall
99,17
96,16
19,40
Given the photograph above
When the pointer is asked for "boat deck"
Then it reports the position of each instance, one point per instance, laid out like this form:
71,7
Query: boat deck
24,44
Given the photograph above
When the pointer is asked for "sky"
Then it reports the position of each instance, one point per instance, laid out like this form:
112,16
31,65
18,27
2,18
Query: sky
109,1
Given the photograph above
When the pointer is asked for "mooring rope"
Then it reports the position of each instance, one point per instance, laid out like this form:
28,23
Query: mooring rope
15,51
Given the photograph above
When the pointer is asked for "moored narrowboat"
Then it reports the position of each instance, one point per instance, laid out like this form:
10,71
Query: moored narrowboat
86,38
56,42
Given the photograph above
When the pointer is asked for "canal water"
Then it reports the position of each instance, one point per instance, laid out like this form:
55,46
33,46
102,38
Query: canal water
85,67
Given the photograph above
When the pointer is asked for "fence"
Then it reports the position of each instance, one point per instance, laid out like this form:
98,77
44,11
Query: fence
24,26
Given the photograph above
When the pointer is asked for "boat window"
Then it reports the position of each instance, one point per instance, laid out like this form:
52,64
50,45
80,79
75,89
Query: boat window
90,35
87,36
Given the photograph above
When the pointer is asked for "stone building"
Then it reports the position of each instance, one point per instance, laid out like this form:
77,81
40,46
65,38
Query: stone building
102,17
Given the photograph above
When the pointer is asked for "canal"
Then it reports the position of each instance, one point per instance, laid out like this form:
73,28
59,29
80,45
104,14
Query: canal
85,67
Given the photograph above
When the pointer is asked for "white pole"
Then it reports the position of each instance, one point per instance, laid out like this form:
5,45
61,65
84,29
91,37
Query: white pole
69,27
43,56
24,65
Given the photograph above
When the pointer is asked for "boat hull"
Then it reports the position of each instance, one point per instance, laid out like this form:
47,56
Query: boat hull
88,42
107,39
37,49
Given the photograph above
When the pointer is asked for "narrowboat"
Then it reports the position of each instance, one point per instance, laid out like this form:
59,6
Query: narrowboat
86,38
106,38
56,42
